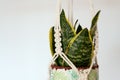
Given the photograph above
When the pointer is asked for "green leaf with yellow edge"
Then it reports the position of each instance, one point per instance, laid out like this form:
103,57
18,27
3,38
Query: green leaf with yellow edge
93,27
67,33
67,30
80,49
51,40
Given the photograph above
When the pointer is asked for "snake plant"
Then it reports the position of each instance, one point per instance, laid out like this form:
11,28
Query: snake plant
77,44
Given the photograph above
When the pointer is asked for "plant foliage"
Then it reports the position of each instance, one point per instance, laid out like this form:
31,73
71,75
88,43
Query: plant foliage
77,44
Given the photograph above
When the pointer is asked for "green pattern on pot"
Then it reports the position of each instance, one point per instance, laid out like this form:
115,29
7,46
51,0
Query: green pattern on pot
59,75
94,74
62,74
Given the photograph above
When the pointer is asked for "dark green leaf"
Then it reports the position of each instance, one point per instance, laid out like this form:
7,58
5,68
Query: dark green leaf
78,29
51,40
94,25
75,24
67,31
80,49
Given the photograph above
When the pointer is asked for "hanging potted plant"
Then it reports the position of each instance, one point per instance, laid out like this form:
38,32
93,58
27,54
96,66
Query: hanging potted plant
78,46
73,49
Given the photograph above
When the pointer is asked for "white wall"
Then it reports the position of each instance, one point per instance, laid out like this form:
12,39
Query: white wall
24,45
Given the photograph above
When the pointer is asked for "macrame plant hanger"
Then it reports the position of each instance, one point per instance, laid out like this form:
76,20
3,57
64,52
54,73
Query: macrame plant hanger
83,73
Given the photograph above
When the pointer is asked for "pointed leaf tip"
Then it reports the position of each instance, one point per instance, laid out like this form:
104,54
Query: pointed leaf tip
94,24
95,18
84,32
79,28
62,12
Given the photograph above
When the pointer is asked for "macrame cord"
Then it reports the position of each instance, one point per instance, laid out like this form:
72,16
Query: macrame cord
82,73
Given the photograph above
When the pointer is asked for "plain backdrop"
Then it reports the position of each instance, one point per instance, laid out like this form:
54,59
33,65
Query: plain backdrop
24,42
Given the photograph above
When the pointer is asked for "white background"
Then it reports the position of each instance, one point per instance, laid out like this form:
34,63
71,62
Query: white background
24,44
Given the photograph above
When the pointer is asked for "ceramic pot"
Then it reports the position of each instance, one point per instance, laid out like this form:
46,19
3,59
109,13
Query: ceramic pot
66,73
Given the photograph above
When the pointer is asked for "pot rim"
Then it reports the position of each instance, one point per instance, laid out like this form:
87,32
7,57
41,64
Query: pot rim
53,66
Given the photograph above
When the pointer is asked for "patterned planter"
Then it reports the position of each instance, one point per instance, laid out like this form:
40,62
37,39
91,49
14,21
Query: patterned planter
66,73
